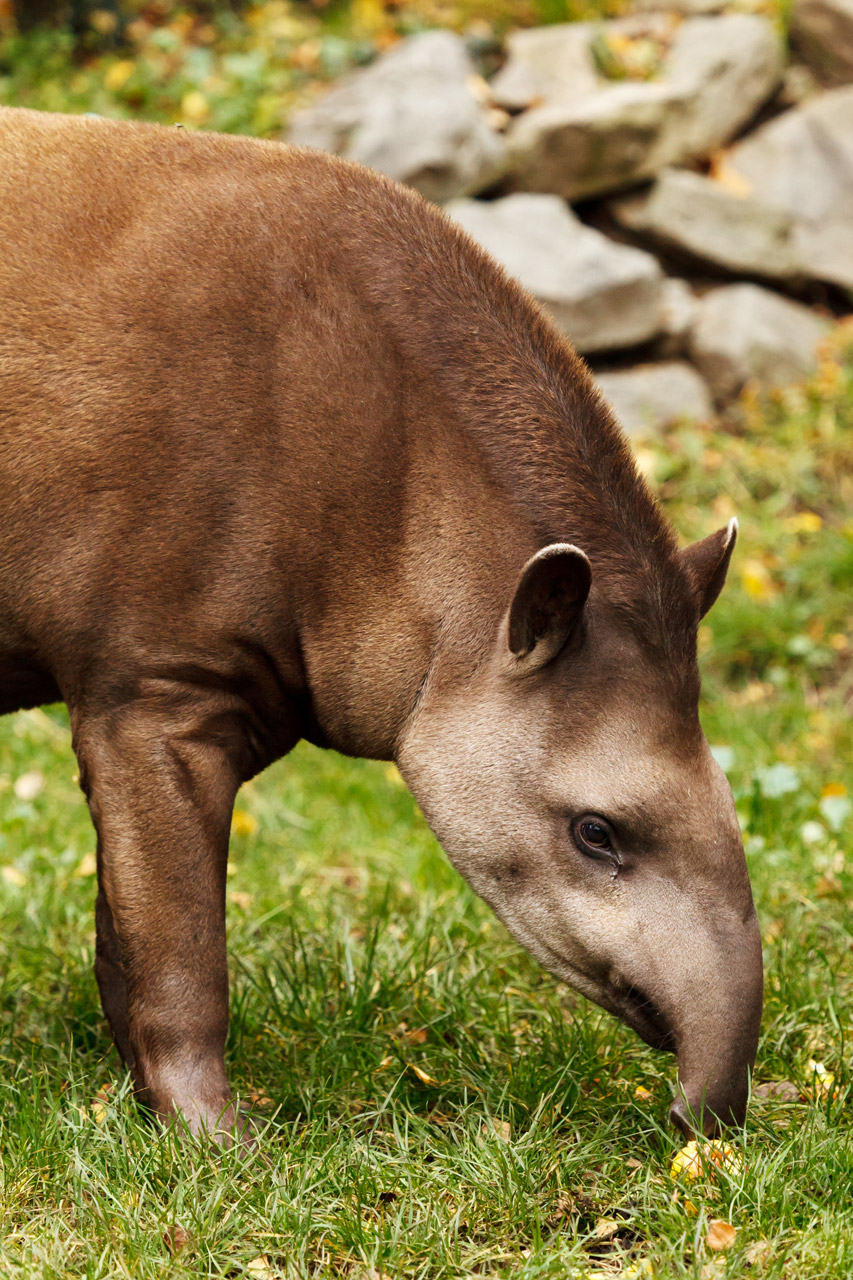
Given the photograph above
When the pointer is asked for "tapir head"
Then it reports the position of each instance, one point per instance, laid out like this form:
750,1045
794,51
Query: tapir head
571,784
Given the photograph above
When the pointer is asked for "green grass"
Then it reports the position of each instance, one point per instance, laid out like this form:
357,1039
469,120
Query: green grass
436,1104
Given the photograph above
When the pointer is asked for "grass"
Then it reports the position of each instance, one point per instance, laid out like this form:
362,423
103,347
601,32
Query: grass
436,1105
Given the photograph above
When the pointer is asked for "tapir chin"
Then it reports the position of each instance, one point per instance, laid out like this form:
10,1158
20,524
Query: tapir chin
284,455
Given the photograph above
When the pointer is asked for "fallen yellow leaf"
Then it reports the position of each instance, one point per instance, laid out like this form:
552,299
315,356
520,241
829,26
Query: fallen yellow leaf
721,1235
195,107
243,823
804,522
833,789
642,1094
118,75
260,1266
822,1081
756,580
87,866
421,1074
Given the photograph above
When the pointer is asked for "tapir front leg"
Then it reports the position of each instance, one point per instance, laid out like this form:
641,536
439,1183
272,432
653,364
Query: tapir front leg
161,786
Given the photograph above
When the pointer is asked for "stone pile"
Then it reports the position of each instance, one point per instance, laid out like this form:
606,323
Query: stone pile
713,168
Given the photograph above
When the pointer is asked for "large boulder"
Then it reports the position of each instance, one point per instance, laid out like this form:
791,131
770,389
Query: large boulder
603,295
696,215
412,115
802,163
717,74
651,396
744,333
822,31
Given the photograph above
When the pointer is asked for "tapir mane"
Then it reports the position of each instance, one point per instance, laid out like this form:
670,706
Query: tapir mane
528,401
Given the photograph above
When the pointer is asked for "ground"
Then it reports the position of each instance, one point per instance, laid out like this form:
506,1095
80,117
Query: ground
436,1105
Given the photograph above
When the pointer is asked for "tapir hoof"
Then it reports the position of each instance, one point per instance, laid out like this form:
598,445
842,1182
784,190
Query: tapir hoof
708,1122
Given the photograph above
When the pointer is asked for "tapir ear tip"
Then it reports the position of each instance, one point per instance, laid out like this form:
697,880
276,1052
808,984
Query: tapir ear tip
731,532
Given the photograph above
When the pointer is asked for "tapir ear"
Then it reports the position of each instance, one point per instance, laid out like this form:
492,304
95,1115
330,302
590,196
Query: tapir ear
707,563
547,605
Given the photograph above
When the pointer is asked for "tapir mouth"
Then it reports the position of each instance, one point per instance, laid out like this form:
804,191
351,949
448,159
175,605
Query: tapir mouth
643,1016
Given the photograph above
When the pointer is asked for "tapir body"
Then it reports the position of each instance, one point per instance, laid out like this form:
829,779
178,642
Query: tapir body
284,455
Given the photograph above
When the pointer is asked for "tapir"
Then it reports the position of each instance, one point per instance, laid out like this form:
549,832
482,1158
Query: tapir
284,455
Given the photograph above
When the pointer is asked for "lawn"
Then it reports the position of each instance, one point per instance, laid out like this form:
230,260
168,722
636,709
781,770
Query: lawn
435,1105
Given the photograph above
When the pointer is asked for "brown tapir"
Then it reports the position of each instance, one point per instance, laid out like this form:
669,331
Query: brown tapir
284,455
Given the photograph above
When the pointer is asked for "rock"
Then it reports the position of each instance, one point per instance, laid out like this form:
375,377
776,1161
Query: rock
743,333
678,311
802,163
413,116
718,72
656,395
546,63
700,216
603,295
613,138
727,67
822,31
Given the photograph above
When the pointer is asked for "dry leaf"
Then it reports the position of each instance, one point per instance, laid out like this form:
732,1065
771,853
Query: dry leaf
386,1062
642,1094
605,1229
421,1074
633,1163
640,1270
784,1090
260,1266
822,1081
721,1235
755,1253
175,1237
416,1037
242,900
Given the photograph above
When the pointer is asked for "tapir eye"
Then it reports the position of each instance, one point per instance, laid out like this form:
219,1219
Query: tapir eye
592,836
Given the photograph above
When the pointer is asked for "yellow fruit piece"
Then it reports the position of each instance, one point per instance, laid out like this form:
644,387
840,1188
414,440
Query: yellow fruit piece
243,823
693,1161
118,75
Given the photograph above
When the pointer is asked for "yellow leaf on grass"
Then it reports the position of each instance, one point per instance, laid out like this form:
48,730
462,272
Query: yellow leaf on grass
642,1094
756,580
87,866
118,75
804,522
195,107
640,1270
243,823
721,1235
421,1074
833,789
13,876
386,1062
822,1081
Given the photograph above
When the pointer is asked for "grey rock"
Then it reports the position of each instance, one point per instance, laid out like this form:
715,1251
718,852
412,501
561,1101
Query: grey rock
678,311
692,213
728,66
802,163
656,395
718,72
613,138
603,295
546,63
413,116
822,31
745,333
